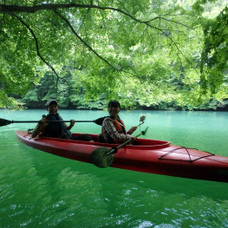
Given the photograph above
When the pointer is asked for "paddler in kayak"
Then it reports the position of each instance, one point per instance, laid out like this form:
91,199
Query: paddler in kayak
113,128
56,130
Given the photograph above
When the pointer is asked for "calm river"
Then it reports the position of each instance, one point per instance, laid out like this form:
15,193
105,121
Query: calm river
38,189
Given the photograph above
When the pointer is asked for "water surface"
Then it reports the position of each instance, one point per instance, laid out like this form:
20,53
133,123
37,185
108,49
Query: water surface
42,190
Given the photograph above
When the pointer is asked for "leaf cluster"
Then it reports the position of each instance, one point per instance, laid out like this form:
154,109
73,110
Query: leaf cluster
140,52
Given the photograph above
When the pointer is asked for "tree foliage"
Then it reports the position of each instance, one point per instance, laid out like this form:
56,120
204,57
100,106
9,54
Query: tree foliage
140,52
215,52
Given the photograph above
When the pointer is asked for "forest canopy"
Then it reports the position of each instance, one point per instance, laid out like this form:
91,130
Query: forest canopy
140,52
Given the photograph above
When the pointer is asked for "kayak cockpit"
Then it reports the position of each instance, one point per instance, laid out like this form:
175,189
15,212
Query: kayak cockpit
139,143
142,144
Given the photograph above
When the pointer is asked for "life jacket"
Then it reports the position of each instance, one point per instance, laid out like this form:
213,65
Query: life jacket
56,130
119,125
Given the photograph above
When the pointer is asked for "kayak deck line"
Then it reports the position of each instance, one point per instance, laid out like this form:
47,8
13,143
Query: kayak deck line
146,155
208,154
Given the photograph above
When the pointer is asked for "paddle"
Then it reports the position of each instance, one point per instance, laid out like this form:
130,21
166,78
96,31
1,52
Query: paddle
142,118
4,122
103,156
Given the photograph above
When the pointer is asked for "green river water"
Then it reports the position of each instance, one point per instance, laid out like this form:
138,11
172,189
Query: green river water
38,189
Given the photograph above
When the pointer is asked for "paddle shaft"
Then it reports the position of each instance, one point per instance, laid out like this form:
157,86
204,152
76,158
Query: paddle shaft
4,122
129,140
98,121
114,150
103,157
48,121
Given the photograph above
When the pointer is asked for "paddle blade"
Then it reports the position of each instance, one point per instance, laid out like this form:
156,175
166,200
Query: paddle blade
100,158
4,122
99,121
145,131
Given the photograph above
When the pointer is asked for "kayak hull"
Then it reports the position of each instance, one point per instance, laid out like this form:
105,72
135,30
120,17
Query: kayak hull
150,156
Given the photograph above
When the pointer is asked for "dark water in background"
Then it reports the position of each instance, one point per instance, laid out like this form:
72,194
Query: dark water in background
42,190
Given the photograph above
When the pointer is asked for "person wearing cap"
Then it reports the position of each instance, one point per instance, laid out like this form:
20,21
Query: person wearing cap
56,130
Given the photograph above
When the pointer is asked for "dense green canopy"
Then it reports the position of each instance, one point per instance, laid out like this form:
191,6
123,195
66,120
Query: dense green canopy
140,52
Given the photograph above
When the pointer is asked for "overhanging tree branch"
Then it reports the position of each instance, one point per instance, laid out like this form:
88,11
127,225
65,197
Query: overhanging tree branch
36,43
87,45
32,9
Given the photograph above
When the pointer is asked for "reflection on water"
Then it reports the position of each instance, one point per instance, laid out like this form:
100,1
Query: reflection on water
40,190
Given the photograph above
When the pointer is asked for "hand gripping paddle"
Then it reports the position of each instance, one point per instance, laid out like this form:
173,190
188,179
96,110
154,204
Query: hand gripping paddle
103,157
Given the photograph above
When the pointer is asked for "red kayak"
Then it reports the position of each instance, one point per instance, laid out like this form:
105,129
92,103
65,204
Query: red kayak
145,155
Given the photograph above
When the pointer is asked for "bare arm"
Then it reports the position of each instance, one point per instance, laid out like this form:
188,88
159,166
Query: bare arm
131,130
39,127
72,122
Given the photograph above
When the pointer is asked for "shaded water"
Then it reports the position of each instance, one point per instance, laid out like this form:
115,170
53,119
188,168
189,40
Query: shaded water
42,190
